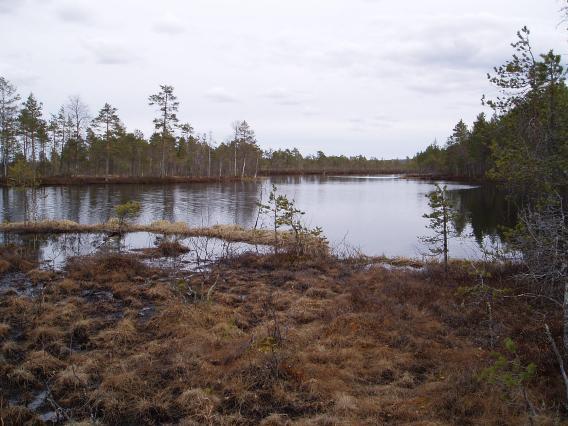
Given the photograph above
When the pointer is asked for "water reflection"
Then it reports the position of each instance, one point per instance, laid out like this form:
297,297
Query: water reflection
53,251
379,214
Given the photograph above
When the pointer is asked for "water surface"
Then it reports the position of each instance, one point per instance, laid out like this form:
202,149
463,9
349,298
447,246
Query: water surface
376,214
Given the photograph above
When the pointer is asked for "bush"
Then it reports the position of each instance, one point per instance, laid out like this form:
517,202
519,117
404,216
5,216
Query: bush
127,211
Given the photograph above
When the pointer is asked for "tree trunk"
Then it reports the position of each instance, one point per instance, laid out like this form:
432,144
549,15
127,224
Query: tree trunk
33,156
209,163
445,213
107,166
164,129
235,158
565,308
163,162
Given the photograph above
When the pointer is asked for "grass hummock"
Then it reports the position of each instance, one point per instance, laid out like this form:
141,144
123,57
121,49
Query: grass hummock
264,339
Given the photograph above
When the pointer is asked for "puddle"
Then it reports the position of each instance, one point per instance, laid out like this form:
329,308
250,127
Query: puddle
391,267
40,401
147,312
19,283
53,251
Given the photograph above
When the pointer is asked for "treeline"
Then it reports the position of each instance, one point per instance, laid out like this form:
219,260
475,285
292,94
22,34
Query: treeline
467,152
526,135
524,146
71,143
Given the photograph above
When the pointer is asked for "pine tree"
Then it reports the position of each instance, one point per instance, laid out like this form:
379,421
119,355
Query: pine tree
167,106
9,99
108,127
32,125
440,223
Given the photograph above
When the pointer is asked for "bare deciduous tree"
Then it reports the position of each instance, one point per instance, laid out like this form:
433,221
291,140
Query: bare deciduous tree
78,115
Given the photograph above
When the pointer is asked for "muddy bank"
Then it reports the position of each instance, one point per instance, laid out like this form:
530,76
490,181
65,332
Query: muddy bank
265,339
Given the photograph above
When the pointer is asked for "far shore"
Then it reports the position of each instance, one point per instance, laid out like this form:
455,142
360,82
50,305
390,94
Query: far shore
162,180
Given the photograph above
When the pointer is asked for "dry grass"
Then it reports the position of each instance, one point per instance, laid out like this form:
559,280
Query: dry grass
311,342
232,233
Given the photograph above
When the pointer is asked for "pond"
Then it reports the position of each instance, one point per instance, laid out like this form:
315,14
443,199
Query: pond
379,215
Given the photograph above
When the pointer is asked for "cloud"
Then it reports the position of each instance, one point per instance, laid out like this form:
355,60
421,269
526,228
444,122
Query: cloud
74,12
310,111
109,52
459,42
283,96
219,94
19,75
9,6
169,24
382,119
378,121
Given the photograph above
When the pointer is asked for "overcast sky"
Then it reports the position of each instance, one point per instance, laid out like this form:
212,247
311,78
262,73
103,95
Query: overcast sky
377,77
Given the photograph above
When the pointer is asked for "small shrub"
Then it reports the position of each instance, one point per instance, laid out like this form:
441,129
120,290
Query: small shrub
127,211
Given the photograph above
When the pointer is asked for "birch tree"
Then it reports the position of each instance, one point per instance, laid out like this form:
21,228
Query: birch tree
78,116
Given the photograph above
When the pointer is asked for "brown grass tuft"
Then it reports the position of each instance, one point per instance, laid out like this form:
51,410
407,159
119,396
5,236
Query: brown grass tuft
5,266
21,376
124,333
68,286
16,415
42,364
40,275
198,403
71,377
308,342
4,330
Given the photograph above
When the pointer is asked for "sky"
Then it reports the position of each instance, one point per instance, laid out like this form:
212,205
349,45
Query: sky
381,78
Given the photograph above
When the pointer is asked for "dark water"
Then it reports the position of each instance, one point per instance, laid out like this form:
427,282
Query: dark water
379,215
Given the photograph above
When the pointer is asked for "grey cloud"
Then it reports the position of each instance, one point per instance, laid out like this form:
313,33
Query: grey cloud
19,75
370,123
221,95
442,42
458,42
433,85
74,12
9,6
169,24
310,111
110,53
283,96
383,119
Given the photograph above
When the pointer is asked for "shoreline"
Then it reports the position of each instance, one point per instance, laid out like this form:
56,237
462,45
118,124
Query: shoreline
445,177
156,180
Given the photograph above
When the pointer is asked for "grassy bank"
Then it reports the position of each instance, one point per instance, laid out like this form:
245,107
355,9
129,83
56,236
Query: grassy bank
262,339
232,233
